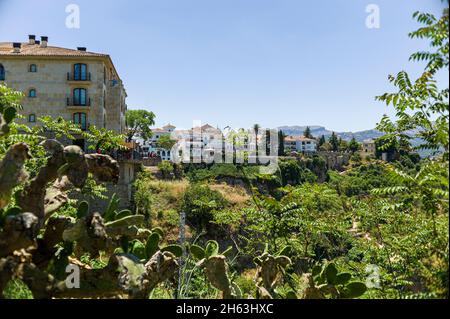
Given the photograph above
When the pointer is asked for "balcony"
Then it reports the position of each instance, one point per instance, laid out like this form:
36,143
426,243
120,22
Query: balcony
75,104
78,78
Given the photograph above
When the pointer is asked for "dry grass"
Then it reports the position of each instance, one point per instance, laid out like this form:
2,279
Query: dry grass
236,195
168,193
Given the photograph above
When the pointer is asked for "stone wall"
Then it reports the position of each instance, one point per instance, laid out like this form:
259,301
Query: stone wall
124,189
336,160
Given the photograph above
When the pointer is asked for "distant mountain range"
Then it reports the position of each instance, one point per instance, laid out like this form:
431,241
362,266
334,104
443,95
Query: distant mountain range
318,131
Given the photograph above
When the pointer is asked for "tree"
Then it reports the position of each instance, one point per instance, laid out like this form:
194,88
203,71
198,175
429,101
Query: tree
166,168
420,106
343,145
322,140
307,133
165,142
334,142
281,145
354,146
139,122
326,147
256,129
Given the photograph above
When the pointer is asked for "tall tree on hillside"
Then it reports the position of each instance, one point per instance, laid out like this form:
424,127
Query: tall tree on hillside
281,137
322,140
307,133
354,146
334,142
165,142
343,145
139,122
256,129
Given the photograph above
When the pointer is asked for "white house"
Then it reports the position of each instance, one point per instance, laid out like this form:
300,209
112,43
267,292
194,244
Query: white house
150,149
300,144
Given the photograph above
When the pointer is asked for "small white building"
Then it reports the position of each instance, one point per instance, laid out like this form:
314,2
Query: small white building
300,144
150,148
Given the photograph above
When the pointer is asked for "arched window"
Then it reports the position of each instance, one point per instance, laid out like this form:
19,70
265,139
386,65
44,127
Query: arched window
2,73
33,68
32,118
81,120
32,93
80,97
80,72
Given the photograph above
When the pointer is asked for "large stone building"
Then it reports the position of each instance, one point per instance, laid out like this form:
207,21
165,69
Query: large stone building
80,86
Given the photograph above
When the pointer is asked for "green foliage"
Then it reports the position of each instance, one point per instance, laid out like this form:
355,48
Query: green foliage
307,133
112,208
199,204
16,289
166,142
166,168
139,122
294,173
420,106
354,146
337,285
360,181
334,142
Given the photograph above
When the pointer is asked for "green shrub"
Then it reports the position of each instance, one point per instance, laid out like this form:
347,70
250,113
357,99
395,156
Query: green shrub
166,168
199,203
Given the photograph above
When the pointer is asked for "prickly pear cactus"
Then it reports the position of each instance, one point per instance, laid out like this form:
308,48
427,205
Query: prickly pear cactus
216,268
270,269
327,282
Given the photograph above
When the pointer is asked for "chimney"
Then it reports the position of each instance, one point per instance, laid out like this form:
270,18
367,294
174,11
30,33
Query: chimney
37,42
16,47
83,49
32,39
44,42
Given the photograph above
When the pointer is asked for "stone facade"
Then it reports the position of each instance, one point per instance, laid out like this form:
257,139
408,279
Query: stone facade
48,77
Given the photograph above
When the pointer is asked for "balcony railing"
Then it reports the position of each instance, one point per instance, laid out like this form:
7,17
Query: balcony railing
79,77
71,102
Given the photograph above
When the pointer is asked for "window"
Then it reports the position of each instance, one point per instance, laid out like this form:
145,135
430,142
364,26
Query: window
32,93
79,97
32,118
2,73
80,119
80,72
33,68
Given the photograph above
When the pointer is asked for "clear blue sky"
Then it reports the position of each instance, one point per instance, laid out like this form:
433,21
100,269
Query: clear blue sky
239,62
